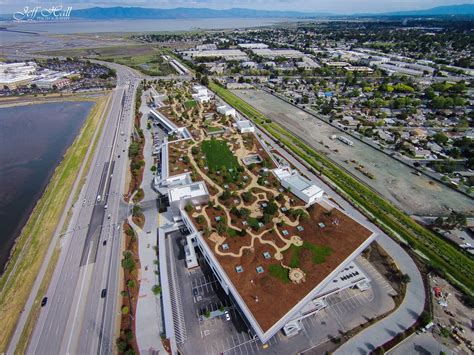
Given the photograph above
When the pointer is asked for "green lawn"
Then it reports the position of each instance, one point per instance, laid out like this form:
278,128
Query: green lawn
319,253
218,155
446,258
212,129
278,271
232,232
190,104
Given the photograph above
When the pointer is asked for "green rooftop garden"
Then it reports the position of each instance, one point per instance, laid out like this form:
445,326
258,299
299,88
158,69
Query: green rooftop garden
218,155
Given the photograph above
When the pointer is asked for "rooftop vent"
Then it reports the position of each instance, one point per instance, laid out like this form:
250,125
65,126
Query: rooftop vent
267,255
239,269
259,269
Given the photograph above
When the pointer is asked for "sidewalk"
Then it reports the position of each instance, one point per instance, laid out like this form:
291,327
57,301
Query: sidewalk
148,323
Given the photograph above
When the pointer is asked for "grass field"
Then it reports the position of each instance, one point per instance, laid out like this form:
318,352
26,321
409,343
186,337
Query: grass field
145,58
36,236
149,64
218,155
440,254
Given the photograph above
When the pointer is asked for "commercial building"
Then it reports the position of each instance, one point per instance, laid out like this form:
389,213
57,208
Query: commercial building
194,194
268,305
51,82
227,54
307,63
226,110
13,75
245,126
201,94
299,185
275,274
274,53
253,45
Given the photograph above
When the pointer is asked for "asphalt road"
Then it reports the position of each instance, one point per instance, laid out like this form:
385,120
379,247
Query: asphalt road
76,319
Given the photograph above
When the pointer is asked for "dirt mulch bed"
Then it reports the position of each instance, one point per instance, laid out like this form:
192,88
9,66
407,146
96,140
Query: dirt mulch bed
127,324
136,179
272,236
276,298
139,220
167,345
178,167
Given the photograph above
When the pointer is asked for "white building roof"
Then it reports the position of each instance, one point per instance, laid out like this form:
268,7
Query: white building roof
225,53
297,182
226,110
272,53
243,124
253,45
193,190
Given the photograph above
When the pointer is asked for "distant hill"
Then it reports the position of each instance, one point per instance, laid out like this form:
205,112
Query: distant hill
464,9
113,13
103,13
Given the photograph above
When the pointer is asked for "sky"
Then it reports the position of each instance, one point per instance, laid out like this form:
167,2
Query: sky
333,6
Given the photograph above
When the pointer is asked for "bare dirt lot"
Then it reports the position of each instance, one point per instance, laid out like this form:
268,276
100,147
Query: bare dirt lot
414,194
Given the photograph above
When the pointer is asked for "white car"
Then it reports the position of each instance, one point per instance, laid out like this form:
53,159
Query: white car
227,315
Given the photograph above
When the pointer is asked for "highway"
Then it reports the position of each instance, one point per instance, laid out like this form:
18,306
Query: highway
76,318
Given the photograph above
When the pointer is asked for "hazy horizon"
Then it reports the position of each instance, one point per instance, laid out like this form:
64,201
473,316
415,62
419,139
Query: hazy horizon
336,7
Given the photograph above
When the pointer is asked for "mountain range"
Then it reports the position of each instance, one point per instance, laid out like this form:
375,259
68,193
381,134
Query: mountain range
103,13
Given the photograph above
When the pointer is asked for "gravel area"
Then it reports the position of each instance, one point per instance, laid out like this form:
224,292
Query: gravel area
416,195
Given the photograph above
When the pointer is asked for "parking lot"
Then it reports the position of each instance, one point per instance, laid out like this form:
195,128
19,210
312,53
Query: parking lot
208,332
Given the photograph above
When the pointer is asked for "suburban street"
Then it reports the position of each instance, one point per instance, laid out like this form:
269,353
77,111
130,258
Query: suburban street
78,316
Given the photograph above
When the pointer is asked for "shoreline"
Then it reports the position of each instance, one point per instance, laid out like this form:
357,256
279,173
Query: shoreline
12,239
14,101
31,245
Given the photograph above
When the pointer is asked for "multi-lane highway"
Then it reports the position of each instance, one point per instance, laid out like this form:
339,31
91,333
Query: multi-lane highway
79,316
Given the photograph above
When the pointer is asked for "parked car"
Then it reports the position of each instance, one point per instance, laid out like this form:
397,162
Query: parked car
44,301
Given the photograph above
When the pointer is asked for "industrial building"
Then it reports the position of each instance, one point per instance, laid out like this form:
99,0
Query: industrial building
253,45
226,54
274,53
